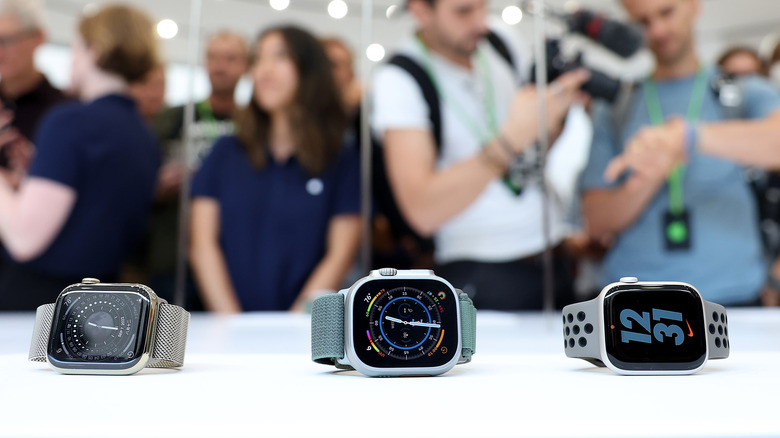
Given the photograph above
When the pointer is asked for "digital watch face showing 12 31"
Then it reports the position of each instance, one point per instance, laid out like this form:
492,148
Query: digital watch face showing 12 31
99,328
655,329
405,323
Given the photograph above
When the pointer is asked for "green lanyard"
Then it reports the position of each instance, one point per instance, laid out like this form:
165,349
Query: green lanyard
676,202
484,135
211,130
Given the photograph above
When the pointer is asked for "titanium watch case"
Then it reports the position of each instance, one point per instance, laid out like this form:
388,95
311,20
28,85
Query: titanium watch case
631,284
351,358
133,365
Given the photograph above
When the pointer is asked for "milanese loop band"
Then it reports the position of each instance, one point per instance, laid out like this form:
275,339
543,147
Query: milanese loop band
171,339
168,349
40,339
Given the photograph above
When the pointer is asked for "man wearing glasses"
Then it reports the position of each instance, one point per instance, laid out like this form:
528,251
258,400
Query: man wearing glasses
25,92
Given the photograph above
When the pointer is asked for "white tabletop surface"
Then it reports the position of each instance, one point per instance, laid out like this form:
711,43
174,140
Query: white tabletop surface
251,375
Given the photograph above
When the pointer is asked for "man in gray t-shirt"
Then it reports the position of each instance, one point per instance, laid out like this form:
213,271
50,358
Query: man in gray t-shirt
667,184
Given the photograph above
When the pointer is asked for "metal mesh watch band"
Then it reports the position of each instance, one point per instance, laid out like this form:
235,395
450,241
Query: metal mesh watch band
171,339
40,338
327,328
169,343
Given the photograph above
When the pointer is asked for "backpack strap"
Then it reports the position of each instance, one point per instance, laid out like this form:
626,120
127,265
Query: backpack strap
500,46
430,94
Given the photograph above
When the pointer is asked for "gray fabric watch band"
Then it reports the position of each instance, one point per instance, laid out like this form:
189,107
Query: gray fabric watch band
169,344
581,338
327,328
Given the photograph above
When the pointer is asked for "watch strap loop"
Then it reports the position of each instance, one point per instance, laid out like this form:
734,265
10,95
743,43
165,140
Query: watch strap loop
717,330
171,339
40,338
468,327
581,338
327,329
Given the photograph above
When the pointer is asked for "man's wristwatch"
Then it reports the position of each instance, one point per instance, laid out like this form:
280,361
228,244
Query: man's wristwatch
109,328
635,327
394,323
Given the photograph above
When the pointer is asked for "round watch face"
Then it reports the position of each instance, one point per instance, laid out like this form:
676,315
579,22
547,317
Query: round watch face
659,327
99,328
405,323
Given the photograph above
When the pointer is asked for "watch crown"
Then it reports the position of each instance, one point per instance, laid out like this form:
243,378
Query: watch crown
629,280
90,280
388,272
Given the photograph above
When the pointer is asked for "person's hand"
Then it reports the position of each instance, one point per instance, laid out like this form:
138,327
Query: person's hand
522,124
169,181
770,297
652,154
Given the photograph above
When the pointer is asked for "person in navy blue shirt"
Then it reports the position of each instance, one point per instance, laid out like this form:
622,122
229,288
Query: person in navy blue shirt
275,210
82,205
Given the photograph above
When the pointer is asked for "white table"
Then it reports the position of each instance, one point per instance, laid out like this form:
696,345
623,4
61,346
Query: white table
251,375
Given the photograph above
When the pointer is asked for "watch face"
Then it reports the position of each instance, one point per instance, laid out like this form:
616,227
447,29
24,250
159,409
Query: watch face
99,329
405,323
658,328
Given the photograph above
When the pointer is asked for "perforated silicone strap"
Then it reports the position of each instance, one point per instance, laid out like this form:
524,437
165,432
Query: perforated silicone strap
327,328
717,330
581,331
170,340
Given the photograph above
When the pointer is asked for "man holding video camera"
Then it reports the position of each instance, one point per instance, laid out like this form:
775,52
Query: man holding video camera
666,184
488,236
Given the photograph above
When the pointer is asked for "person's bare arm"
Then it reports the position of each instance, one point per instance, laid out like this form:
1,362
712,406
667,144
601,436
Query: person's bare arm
748,142
208,260
31,217
341,246
428,197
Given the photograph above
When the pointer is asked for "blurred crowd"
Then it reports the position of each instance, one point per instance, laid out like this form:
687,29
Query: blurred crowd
672,180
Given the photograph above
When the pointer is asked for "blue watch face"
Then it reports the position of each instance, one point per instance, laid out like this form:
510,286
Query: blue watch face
102,329
655,328
400,323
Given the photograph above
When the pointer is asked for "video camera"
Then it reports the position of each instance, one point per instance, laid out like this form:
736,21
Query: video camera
621,39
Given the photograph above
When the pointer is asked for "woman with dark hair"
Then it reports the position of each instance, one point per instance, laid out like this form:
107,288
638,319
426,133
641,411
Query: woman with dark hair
84,203
275,207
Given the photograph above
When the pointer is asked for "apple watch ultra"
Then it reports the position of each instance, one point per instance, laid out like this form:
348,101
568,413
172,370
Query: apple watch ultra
394,323
109,328
635,327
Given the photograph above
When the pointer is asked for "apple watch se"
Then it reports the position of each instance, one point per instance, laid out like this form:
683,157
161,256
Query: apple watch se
109,328
394,323
635,327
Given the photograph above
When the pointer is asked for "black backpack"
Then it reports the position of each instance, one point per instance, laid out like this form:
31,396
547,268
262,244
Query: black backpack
383,194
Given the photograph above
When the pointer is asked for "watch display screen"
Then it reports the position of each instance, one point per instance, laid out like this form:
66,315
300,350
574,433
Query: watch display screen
405,323
658,328
99,328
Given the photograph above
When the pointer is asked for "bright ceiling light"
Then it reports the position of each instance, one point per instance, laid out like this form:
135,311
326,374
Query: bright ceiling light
337,9
167,29
279,5
390,11
375,52
512,15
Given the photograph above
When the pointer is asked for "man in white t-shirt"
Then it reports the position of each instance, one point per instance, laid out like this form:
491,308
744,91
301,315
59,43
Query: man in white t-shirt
487,238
